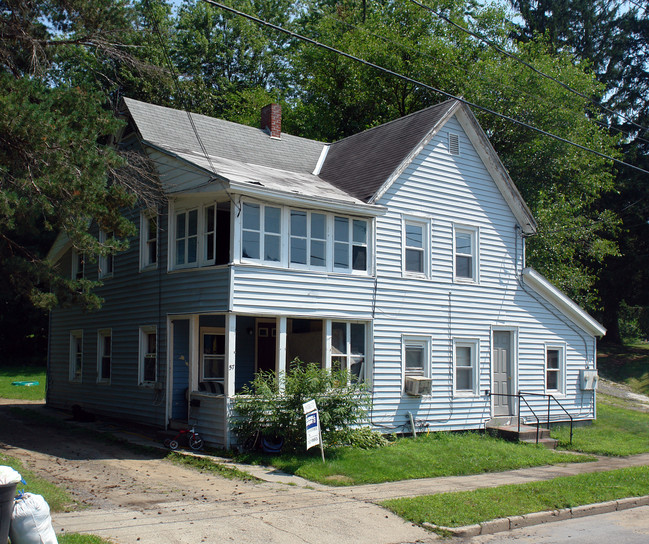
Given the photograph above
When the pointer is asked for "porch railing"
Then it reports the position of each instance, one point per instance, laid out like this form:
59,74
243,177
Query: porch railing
521,397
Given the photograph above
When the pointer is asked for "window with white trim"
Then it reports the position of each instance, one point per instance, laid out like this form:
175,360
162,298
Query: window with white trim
348,348
314,240
416,355
106,262
414,251
554,368
148,239
76,356
466,254
465,366
78,265
148,367
201,235
261,233
104,355
212,359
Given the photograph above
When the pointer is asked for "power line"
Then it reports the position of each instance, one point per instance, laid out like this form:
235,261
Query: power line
480,76
419,83
525,63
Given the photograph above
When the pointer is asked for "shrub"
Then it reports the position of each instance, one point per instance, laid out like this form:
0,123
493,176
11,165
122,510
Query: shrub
363,437
342,402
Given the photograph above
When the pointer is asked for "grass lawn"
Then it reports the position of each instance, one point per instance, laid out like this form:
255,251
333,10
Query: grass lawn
626,364
10,374
469,507
616,431
427,456
76,538
57,497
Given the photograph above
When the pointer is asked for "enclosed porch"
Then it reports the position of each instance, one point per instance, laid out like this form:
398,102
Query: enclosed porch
213,357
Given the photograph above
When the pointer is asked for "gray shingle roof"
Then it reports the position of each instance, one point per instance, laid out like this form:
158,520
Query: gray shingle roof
171,130
361,163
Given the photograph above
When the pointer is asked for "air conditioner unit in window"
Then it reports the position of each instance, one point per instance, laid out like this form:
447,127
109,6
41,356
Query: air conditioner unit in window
418,385
588,380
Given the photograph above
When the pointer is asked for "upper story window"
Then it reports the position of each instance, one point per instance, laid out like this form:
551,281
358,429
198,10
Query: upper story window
201,235
303,239
148,239
415,247
106,262
78,265
466,254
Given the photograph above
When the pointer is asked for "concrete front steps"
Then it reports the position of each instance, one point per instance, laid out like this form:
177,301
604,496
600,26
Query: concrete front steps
509,429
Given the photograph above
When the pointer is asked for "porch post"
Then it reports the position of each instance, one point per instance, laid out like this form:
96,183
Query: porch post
281,349
230,351
327,346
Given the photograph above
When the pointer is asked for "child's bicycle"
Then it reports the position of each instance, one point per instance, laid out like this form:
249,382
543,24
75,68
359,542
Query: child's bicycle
192,438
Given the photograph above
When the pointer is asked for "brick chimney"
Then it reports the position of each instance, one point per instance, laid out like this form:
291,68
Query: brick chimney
271,120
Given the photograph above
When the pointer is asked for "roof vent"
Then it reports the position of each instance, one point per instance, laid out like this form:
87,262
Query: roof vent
271,120
453,144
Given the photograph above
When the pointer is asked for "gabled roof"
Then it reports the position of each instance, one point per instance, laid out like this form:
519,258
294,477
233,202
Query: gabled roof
360,164
561,302
171,130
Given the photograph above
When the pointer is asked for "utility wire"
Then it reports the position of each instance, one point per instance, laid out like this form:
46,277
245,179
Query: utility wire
525,63
419,83
480,76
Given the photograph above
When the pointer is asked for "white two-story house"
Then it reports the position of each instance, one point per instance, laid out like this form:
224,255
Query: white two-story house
397,253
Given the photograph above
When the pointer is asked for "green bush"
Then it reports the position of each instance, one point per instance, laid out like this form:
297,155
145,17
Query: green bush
342,402
363,438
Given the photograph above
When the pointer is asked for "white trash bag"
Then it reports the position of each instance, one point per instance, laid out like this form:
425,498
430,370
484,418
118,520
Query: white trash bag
9,476
31,522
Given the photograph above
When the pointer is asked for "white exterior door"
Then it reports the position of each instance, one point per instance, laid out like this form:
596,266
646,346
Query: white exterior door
503,375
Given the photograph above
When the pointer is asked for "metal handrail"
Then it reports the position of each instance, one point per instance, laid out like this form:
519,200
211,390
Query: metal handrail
520,395
553,398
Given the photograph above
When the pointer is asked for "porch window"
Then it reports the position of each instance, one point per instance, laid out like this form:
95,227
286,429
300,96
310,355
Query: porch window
554,369
262,233
104,355
465,366
212,360
148,239
187,238
76,355
148,370
348,348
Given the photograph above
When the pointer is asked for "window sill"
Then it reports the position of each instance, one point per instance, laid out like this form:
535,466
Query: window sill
466,394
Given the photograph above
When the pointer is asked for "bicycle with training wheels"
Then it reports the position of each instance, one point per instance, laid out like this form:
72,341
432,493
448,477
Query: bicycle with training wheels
188,436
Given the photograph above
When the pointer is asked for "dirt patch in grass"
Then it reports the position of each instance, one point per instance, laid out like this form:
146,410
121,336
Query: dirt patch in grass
339,479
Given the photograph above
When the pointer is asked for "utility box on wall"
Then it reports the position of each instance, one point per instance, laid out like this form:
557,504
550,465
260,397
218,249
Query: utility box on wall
588,380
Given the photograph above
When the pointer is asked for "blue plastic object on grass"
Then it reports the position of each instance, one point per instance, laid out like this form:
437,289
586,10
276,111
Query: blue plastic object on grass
26,384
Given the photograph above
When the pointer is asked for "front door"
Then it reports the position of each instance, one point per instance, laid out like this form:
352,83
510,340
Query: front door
180,369
266,345
503,374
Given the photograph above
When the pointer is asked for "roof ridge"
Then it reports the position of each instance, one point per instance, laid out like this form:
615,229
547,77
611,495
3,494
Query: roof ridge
398,119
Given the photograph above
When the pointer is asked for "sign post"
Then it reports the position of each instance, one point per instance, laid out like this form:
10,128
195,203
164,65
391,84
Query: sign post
313,432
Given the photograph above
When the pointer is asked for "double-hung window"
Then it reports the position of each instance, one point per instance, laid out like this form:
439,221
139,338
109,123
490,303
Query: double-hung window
348,348
78,264
261,233
416,356
104,355
76,355
148,367
465,366
308,239
212,354
148,239
106,262
554,369
415,247
466,254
